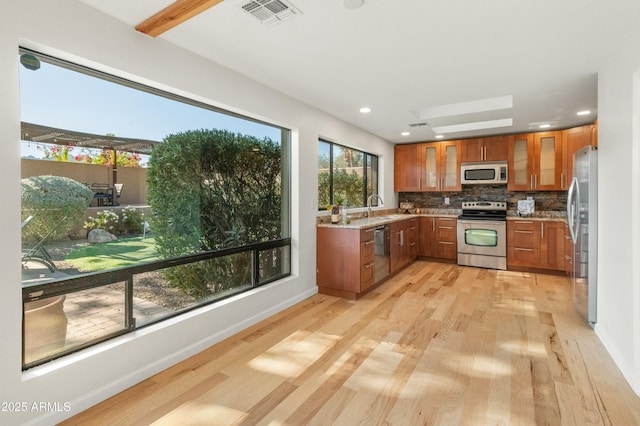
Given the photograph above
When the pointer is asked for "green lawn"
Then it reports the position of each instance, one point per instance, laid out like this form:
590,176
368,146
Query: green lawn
114,254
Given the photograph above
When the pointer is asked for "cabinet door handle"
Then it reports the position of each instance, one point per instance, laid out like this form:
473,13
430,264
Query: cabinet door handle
433,224
535,181
523,249
524,232
368,242
369,265
445,242
402,237
484,153
524,221
542,228
531,181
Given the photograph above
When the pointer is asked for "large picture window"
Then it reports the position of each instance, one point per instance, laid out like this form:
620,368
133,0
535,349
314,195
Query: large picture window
138,205
345,175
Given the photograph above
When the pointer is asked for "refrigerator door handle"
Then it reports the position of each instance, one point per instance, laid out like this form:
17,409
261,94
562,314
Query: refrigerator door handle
573,203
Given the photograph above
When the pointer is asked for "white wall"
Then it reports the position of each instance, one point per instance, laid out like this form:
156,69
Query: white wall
618,323
72,31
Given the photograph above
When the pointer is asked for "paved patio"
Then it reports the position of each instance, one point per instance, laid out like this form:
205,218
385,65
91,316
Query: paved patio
95,312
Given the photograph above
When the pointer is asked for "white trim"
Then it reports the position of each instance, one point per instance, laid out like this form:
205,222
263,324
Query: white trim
635,231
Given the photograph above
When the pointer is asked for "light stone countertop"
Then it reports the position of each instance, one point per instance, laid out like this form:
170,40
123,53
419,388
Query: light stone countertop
383,219
553,216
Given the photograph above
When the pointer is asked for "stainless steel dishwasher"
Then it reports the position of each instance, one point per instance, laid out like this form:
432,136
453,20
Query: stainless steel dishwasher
381,240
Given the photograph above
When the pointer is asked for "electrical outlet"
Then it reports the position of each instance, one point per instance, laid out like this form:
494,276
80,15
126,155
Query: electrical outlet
446,200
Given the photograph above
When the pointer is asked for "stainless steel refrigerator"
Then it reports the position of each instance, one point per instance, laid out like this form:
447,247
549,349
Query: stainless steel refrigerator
582,213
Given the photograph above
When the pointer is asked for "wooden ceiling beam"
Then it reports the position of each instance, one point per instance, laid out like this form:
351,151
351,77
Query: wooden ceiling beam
174,15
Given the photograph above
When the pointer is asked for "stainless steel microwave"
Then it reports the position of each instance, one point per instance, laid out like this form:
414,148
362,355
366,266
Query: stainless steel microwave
484,173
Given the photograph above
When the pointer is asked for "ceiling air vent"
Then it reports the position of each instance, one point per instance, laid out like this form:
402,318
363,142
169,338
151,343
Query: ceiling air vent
420,124
270,11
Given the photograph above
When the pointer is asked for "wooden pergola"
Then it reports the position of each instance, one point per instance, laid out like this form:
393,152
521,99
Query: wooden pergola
39,133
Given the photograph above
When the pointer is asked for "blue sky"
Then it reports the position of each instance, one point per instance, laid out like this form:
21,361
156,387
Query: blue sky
59,97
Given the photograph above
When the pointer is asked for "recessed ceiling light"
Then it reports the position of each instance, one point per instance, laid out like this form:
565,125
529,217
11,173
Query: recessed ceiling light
545,126
365,110
585,112
439,136
405,133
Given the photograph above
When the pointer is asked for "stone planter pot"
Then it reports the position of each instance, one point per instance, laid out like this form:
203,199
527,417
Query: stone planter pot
45,327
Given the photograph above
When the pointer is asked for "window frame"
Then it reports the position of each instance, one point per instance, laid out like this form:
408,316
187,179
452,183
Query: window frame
365,176
126,274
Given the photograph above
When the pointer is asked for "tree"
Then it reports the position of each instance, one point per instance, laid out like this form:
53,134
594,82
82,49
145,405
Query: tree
211,189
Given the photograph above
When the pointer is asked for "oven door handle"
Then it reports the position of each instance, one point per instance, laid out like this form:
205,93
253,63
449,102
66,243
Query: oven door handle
479,222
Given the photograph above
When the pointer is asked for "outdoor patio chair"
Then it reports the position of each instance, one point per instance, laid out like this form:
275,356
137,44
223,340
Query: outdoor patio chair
38,253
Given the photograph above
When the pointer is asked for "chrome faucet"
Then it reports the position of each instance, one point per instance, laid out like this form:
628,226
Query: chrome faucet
369,203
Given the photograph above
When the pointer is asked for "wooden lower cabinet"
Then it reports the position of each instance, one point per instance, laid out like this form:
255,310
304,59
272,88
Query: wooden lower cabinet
403,243
535,244
438,237
345,261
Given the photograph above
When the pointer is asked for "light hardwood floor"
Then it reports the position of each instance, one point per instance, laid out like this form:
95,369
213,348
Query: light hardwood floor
437,344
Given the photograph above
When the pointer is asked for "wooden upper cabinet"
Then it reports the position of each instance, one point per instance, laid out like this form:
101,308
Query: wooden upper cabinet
427,167
441,162
535,162
573,140
520,163
450,162
407,167
548,161
495,148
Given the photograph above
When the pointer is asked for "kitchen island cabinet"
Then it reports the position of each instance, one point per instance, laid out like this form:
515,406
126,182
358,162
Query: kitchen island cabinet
345,261
403,245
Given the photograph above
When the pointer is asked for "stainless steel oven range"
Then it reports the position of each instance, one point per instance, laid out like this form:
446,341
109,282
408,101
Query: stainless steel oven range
482,234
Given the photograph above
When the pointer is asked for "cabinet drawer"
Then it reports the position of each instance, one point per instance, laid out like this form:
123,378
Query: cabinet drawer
523,225
446,233
446,221
367,234
524,256
446,250
367,252
523,238
367,275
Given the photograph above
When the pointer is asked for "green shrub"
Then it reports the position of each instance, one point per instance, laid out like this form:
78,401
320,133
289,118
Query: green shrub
49,199
211,189
105,219
129,222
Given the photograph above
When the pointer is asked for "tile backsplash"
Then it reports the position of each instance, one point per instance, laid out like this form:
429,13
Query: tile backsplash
544,200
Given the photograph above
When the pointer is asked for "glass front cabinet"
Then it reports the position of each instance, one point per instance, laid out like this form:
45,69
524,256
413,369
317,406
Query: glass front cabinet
441,166
535,162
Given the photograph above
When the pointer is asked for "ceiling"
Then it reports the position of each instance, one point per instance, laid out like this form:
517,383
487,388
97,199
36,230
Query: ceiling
410,60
